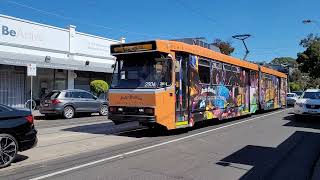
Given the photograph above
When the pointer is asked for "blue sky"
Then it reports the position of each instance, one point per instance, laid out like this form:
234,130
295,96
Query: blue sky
275,25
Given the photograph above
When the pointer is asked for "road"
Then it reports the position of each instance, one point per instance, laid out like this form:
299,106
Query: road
265,146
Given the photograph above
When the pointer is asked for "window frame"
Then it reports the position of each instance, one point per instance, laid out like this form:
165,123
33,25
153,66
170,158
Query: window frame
204,63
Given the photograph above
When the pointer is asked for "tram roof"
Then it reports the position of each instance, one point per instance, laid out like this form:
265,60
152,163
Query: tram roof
175,46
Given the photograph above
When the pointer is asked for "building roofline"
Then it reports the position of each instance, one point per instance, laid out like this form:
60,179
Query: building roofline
32,22
54,27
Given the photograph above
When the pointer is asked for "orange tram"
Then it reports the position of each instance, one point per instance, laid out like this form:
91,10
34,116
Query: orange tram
175,85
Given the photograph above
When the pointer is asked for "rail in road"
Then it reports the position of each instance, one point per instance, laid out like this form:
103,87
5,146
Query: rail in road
224,143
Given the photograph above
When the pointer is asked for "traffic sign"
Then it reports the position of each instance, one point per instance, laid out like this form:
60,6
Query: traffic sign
31,70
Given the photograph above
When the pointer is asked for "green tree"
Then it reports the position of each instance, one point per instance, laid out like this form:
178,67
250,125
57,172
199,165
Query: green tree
294,86
300,78
98,87
224,46
313,83
295,75
309,60
306,42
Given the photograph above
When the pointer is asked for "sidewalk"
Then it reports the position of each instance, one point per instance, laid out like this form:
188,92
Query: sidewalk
36,113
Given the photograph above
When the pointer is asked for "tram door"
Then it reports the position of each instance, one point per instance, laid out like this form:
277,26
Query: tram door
182,94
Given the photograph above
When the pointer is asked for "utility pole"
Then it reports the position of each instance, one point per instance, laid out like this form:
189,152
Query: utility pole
243,37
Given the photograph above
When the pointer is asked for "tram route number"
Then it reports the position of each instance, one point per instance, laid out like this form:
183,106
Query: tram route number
150,84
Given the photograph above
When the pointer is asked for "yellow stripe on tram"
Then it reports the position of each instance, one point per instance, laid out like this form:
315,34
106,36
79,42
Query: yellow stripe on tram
181,123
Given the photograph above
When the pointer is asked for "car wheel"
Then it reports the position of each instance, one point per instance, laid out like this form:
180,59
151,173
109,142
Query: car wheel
117,123
298,117
8,149
103,110
68,112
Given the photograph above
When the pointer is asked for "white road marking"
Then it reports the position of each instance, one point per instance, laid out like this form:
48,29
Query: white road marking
146,148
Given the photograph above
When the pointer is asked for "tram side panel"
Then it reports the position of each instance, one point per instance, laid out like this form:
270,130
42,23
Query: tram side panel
227,96
269,92
283,92
254,91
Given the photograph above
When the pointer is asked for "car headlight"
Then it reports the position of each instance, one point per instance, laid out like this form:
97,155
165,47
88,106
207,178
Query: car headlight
299,104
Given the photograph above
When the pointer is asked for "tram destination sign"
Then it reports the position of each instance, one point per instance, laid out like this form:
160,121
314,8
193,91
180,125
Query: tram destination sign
133,47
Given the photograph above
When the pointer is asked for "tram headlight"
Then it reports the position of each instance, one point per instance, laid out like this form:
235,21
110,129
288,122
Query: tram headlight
149,111
141,110
120,109
112,109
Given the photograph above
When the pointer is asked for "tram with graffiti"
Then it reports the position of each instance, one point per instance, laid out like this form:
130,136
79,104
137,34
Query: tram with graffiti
175,85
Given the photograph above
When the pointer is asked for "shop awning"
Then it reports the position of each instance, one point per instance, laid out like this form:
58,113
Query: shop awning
18,59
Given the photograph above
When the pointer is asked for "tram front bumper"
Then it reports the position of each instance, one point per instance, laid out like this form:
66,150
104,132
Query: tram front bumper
122,118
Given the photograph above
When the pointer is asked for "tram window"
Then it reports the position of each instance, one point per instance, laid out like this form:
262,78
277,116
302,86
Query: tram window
217,73
227,67
204,62
218,65
235,69
204,74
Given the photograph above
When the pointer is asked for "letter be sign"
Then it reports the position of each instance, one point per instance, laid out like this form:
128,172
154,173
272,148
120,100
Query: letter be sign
31,70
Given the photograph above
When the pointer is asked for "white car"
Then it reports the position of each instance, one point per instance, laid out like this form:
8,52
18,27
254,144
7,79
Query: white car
308,103
291,99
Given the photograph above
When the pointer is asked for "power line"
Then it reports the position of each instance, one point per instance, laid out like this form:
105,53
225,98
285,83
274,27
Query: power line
77,20
48,13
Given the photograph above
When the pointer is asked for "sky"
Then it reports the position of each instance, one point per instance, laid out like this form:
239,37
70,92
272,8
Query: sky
275,25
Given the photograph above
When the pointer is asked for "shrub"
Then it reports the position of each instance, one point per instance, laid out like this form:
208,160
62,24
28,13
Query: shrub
98,87
295,86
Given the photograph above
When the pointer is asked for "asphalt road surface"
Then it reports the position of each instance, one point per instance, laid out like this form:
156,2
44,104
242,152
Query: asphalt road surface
56,121
271,145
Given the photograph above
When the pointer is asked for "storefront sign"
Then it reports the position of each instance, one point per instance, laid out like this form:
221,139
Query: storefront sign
19,32
32,70
92,45
5,31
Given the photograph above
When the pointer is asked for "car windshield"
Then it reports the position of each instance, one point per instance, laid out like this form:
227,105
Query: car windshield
299,93
4,108
52,95
142,71
311,95
290,95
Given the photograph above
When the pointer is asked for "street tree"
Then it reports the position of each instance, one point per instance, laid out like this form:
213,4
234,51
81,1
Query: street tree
299,78
306,42
224,46
309,60
295,75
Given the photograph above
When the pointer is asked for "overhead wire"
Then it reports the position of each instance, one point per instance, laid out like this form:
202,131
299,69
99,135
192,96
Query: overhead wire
184,5
80,21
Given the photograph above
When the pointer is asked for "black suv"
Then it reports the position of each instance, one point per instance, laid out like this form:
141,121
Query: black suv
17,133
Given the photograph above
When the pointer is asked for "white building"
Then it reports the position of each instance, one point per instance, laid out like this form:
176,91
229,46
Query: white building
65,59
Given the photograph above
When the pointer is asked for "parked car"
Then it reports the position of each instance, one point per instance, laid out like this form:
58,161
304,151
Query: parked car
17,133
298,93
308,103
291,98
69,102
